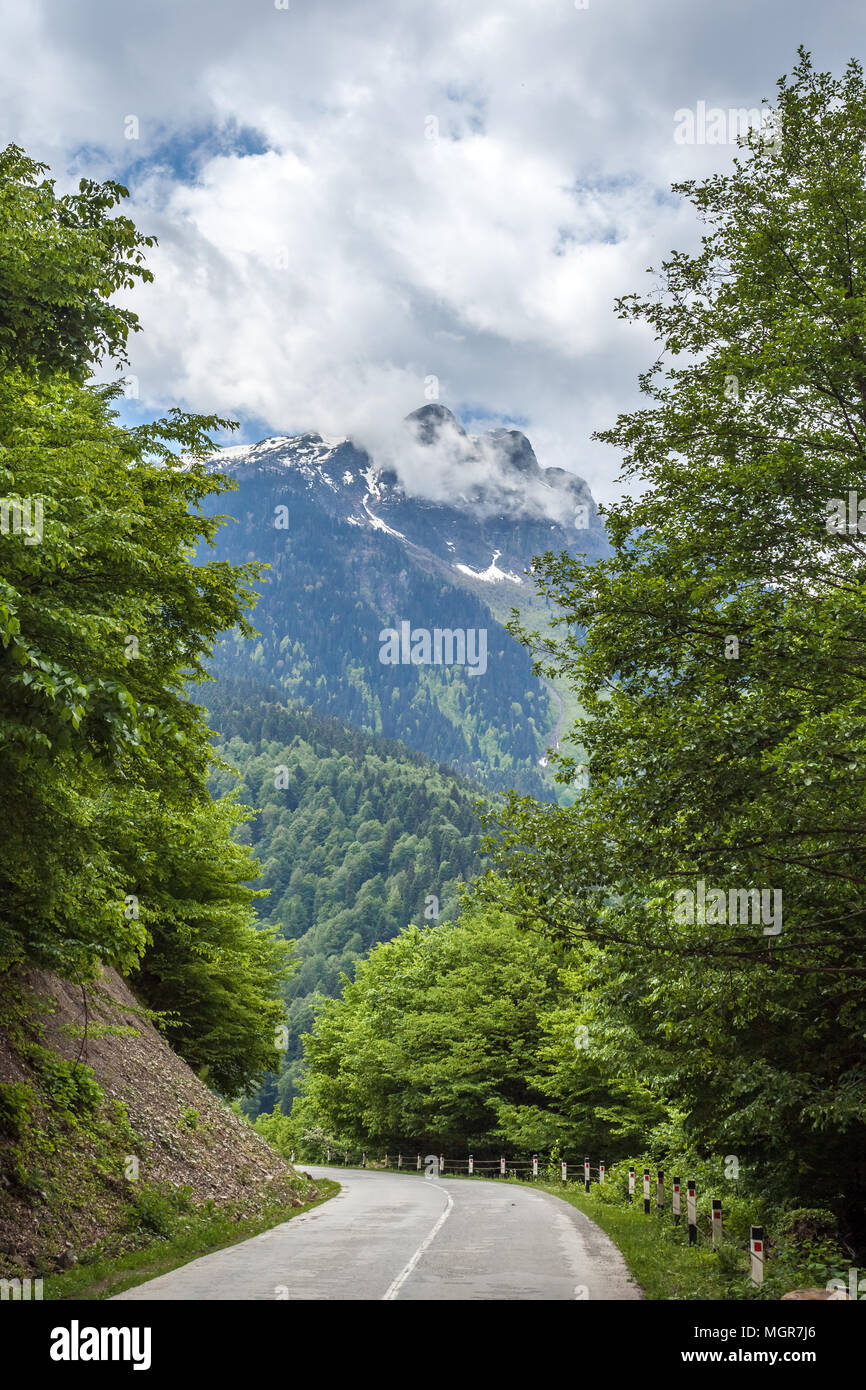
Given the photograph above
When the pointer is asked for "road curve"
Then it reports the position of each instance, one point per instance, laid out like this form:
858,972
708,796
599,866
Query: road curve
403,1236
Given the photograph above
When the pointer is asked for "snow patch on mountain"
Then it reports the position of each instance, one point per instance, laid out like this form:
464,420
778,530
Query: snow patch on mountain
493,574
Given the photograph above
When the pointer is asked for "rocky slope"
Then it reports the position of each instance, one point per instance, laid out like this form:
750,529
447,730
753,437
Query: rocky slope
100,1122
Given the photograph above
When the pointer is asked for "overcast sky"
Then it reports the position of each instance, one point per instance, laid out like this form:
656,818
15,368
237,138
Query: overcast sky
353,197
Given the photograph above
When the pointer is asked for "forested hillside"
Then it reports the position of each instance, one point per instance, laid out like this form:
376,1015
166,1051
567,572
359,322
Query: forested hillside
331,589
356,838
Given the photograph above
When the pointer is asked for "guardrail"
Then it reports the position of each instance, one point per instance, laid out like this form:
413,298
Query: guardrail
437,1165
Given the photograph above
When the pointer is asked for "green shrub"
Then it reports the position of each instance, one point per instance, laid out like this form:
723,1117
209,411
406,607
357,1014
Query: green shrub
156,1209
16,1098
69,1085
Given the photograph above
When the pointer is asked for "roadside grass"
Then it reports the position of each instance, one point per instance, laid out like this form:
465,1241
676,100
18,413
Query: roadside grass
660,1259
657,1253
194,1233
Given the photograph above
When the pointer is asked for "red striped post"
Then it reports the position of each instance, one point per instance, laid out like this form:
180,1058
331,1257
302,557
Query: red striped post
631,1182
564,1172
586,1171
471,1165
660,1192
535,1165
717,1221
502,1167
692,1210
756,1254
601,1172
676,1202
646,1191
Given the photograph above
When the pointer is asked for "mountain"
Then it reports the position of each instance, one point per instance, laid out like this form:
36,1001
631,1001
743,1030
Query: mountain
383,604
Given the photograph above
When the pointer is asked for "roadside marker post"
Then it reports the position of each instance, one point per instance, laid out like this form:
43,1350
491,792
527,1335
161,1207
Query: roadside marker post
756,1254
646,1192
660,1193
692,1209
386,1161
471,1165
586,1175
564,1172
363,1160
399,1161
502,1167
535,1165
441,1164
717,1221
601,1172
418,1163
676,1202
631,1182
327,1155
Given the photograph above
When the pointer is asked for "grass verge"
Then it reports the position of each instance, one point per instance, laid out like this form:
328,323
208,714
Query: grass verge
196,1233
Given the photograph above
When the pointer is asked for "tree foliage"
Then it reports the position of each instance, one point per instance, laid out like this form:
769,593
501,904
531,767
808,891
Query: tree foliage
723,667
110,846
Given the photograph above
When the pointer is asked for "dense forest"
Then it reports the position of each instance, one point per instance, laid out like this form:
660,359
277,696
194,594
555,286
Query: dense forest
356,837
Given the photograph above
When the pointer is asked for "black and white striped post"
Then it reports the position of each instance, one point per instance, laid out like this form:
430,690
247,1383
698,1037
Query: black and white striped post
601,1172
502,1167
631,1182
660,1192
564,1172
676,1202
756,1254
535,1165
471,1165
646,1191
692,1210
586,1172
418,1163
717,1221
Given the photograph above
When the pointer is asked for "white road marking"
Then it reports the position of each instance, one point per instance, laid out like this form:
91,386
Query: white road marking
428,1240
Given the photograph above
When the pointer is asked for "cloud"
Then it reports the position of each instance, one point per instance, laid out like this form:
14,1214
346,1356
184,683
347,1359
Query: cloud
350,200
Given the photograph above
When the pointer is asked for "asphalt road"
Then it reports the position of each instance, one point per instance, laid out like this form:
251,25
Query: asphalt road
410,1237
401,1236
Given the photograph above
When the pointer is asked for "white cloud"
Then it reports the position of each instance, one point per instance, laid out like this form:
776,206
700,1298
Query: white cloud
317,285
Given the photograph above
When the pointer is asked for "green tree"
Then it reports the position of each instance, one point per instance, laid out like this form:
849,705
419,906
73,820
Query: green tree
723,667
110,846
